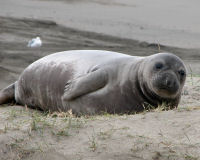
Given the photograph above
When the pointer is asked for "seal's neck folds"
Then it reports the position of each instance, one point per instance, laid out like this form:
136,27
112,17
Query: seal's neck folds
148,96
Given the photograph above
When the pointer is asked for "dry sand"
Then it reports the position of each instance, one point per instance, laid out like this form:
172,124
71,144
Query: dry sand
158,135
152,135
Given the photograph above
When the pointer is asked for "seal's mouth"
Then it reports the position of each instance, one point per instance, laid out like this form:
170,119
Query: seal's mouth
167,92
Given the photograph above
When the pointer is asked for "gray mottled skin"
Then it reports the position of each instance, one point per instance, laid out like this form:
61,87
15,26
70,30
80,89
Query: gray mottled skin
89,82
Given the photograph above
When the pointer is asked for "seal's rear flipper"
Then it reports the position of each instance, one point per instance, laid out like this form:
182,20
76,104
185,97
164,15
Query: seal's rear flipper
85,84
7,95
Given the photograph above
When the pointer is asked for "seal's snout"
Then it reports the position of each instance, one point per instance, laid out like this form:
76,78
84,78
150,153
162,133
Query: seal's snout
170,83
166,84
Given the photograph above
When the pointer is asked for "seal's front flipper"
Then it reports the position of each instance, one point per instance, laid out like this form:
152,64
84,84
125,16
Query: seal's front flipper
7,95
85,84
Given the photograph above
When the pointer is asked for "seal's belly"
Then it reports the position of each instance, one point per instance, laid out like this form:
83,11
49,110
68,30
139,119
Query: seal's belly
105,100
43,85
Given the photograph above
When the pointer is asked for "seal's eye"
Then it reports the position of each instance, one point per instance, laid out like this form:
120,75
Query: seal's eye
159,66
181,72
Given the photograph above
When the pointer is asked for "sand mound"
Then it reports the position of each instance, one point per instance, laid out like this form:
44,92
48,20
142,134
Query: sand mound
28,134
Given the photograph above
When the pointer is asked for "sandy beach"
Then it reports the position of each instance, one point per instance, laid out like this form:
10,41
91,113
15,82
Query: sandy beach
131,27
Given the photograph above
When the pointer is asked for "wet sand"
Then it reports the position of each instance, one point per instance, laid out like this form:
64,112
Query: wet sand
172,22
131,27
15,55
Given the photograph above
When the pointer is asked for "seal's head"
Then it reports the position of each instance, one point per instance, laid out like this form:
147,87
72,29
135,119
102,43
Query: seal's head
164,75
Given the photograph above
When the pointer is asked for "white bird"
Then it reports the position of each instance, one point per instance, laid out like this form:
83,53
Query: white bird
35,42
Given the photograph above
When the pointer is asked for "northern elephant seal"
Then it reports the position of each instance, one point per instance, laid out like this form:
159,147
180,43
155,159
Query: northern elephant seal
91,81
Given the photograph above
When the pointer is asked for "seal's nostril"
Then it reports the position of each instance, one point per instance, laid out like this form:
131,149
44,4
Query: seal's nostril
168,83
174,84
